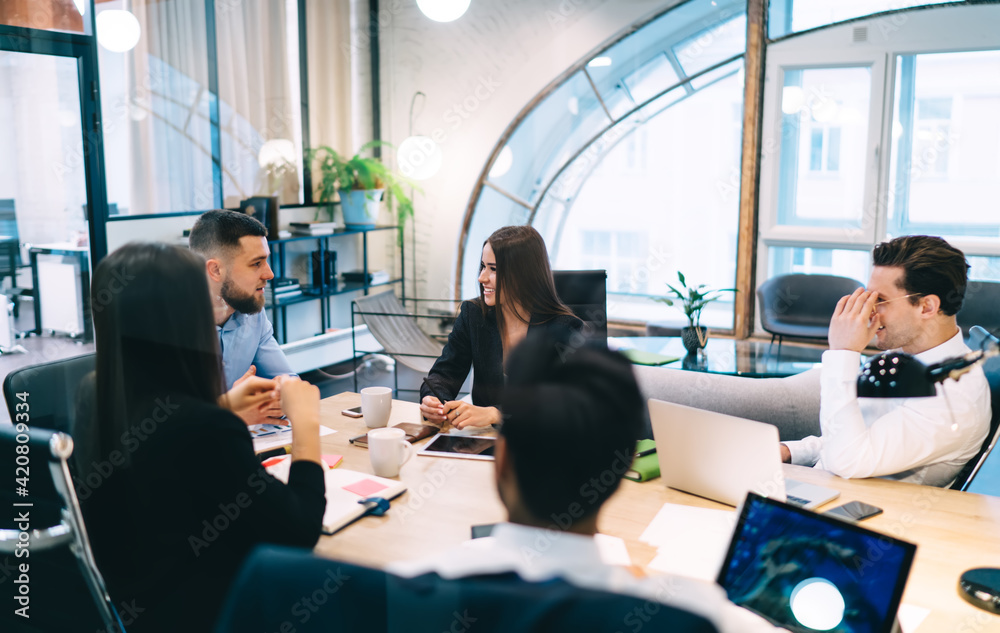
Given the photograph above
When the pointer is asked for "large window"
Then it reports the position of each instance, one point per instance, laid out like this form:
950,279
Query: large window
792,16
632,164
888,137
195,117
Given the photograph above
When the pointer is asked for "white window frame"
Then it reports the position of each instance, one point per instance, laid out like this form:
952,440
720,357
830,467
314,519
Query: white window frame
953,28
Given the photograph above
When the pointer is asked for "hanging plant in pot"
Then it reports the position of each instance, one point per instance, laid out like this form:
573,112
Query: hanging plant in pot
693,300
360,183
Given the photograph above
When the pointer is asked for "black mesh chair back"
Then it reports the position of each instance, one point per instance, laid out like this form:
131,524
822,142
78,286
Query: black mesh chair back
356,598
64,590
53,387
585,292
801,306
982,473
981,307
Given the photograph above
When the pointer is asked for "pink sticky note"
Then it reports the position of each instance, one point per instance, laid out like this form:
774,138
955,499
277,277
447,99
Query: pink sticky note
332,461
365,487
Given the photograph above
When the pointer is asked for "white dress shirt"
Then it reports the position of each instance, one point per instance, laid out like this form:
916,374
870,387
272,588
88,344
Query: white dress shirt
919,440
537,555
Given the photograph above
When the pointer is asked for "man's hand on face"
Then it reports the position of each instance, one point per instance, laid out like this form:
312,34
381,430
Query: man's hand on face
854,321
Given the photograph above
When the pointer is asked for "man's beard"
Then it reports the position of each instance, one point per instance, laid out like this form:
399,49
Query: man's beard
244,303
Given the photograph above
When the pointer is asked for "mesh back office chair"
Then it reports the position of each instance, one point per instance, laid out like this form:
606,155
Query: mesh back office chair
396,330
982,474
981,307
801,306
66,591
53,388
358,598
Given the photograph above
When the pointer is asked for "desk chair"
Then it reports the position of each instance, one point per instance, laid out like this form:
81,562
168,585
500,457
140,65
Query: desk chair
396,330
801,306
352,598
980,307
52,388
585,293
66,591
11,259
982,474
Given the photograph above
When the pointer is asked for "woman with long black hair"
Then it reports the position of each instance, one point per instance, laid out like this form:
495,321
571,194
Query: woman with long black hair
516,295
176,497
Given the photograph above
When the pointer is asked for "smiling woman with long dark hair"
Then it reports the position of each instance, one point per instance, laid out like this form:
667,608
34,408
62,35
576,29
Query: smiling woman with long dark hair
516,295
173,495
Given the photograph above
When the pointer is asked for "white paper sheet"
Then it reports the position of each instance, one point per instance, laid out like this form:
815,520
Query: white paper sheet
690,541
279,437
911,616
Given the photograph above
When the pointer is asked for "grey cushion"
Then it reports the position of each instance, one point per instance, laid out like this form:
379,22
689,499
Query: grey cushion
791,404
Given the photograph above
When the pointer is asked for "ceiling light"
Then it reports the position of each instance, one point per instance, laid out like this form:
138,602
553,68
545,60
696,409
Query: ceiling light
419,157
118,30
599,62
443,10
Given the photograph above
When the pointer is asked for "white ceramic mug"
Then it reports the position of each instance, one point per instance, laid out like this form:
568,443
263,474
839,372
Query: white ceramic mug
388,450
376,404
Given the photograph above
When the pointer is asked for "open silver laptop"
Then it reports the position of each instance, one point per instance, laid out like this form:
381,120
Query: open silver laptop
722,457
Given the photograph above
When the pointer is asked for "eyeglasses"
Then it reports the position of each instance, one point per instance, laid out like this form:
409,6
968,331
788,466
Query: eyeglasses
915,294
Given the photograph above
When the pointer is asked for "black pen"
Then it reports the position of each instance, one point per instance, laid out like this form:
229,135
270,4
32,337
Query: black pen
434,393
648,451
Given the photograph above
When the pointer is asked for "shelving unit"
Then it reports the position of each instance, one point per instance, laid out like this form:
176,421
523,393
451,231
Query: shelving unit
325,290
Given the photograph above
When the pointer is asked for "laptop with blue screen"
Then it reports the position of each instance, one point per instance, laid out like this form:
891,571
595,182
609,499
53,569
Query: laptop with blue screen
809,572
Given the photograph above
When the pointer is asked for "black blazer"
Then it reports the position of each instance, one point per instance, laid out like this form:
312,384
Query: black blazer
475,342
170,531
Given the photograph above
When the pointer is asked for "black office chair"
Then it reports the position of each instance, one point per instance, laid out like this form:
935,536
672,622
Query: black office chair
352,598
52,387
10,253
800,306
65,590
981,306
585,292
982,474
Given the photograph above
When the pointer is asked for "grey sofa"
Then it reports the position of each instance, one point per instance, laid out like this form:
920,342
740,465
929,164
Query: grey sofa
791,404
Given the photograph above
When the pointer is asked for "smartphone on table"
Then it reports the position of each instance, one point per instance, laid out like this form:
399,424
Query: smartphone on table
353,412
854,511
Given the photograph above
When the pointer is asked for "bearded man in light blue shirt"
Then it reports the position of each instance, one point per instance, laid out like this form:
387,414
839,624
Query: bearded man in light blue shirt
235,249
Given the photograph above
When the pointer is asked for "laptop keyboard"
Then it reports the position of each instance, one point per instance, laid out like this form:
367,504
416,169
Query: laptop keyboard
796,501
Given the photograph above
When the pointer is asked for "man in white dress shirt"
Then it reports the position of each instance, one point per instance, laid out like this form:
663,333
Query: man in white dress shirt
571,420
916,288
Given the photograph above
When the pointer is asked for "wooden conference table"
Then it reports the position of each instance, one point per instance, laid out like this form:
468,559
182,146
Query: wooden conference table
954,531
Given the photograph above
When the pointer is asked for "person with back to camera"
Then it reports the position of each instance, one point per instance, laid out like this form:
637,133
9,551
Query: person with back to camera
516,296
177,498
585,401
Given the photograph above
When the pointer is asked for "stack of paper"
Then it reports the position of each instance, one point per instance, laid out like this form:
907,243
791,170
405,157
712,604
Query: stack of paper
690,541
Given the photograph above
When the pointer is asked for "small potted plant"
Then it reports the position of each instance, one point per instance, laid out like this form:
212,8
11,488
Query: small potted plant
693,300
360,183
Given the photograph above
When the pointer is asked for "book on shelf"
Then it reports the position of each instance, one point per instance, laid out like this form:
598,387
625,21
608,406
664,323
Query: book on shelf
282,297
357,276
280,290
314,228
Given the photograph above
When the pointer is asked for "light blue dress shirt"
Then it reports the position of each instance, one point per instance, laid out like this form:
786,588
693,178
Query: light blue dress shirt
248,339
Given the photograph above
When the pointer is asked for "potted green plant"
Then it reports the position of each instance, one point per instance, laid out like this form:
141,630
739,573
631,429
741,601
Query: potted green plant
693,300
360,183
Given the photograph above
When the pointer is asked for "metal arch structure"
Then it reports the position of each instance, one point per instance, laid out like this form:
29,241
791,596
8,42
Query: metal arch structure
558,82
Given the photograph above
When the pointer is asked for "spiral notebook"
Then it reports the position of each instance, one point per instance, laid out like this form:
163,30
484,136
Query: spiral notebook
344,488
